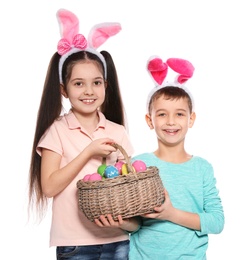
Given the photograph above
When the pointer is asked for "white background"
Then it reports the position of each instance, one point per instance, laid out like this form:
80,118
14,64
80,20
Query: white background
213,35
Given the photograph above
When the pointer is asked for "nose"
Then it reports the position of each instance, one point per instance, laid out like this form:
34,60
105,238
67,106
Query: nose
88,90
170,120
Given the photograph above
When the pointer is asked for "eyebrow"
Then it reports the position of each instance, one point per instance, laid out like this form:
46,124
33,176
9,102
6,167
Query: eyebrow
163,109
96,78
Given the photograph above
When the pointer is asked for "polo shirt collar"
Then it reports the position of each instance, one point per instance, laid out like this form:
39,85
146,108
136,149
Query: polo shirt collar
73,122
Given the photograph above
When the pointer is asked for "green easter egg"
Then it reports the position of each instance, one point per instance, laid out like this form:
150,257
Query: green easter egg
101,169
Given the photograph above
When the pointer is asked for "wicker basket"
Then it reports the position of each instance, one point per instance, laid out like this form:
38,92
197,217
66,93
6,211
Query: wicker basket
126,195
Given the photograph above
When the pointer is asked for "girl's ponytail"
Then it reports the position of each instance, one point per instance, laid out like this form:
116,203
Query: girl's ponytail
112,108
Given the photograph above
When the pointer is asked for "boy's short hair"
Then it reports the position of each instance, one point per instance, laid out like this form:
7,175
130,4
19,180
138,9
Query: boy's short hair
171,93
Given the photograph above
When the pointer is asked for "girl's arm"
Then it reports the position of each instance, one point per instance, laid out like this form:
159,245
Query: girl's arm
54,179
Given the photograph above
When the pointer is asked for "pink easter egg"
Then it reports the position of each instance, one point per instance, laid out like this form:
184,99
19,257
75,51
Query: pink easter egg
86,177
95,177
118,165
139,166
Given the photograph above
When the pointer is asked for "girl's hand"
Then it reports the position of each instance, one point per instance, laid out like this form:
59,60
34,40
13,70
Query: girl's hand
129,224
108,221
100,147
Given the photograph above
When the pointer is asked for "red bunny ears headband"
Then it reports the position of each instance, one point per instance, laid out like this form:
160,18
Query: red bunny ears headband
159,70
73,42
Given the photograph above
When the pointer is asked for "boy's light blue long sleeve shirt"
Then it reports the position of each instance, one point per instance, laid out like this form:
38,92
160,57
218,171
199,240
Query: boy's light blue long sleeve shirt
191,187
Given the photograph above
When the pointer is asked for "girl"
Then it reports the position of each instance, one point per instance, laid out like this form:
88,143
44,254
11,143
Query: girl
67,147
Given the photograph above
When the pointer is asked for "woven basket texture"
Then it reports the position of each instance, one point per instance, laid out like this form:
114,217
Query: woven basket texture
127,195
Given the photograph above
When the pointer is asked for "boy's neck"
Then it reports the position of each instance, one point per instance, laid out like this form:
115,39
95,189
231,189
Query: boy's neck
172,154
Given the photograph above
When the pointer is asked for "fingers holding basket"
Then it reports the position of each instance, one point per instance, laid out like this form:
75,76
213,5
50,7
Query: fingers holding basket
164,211
108,221
129,224
101,147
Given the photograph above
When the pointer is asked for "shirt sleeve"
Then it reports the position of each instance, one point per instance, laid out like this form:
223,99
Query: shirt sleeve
212,219
50,140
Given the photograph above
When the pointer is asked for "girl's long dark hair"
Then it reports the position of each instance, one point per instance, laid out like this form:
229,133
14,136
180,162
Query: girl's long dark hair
51,106
112,107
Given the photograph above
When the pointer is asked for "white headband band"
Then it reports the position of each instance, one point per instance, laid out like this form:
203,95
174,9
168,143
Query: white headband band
74,50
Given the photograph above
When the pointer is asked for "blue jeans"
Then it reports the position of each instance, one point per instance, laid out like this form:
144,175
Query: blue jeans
112,251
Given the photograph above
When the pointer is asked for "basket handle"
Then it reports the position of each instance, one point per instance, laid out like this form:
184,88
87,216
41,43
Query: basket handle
127,159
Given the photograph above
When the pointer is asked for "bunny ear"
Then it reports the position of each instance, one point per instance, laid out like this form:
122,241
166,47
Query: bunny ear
101,32
183,67
158,69
69,24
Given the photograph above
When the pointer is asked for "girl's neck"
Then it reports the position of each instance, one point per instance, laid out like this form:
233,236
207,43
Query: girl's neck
88,121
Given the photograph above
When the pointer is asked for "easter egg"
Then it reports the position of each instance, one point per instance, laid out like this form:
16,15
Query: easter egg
86,177
139,166
101,169
118,165
124,169
95,177
111,171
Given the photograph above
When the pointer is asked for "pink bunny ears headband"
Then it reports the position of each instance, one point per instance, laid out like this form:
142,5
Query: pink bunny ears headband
159,70
73,42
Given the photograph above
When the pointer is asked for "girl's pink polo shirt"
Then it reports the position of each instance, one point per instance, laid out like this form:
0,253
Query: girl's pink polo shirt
66,137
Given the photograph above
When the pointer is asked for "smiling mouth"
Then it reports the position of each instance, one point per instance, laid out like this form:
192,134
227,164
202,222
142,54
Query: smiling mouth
88,101
171,131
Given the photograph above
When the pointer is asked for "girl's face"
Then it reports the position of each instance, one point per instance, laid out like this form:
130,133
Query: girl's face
86,88
170,119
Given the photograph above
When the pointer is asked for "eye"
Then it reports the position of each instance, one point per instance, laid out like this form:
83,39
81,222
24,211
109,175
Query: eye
180,114
162,114
98,82
78,84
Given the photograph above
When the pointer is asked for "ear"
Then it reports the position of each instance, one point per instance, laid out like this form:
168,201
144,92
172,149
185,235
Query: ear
63,91
149,121
192,119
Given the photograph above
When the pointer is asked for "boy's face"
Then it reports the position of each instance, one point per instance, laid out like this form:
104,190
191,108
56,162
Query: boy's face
171,119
